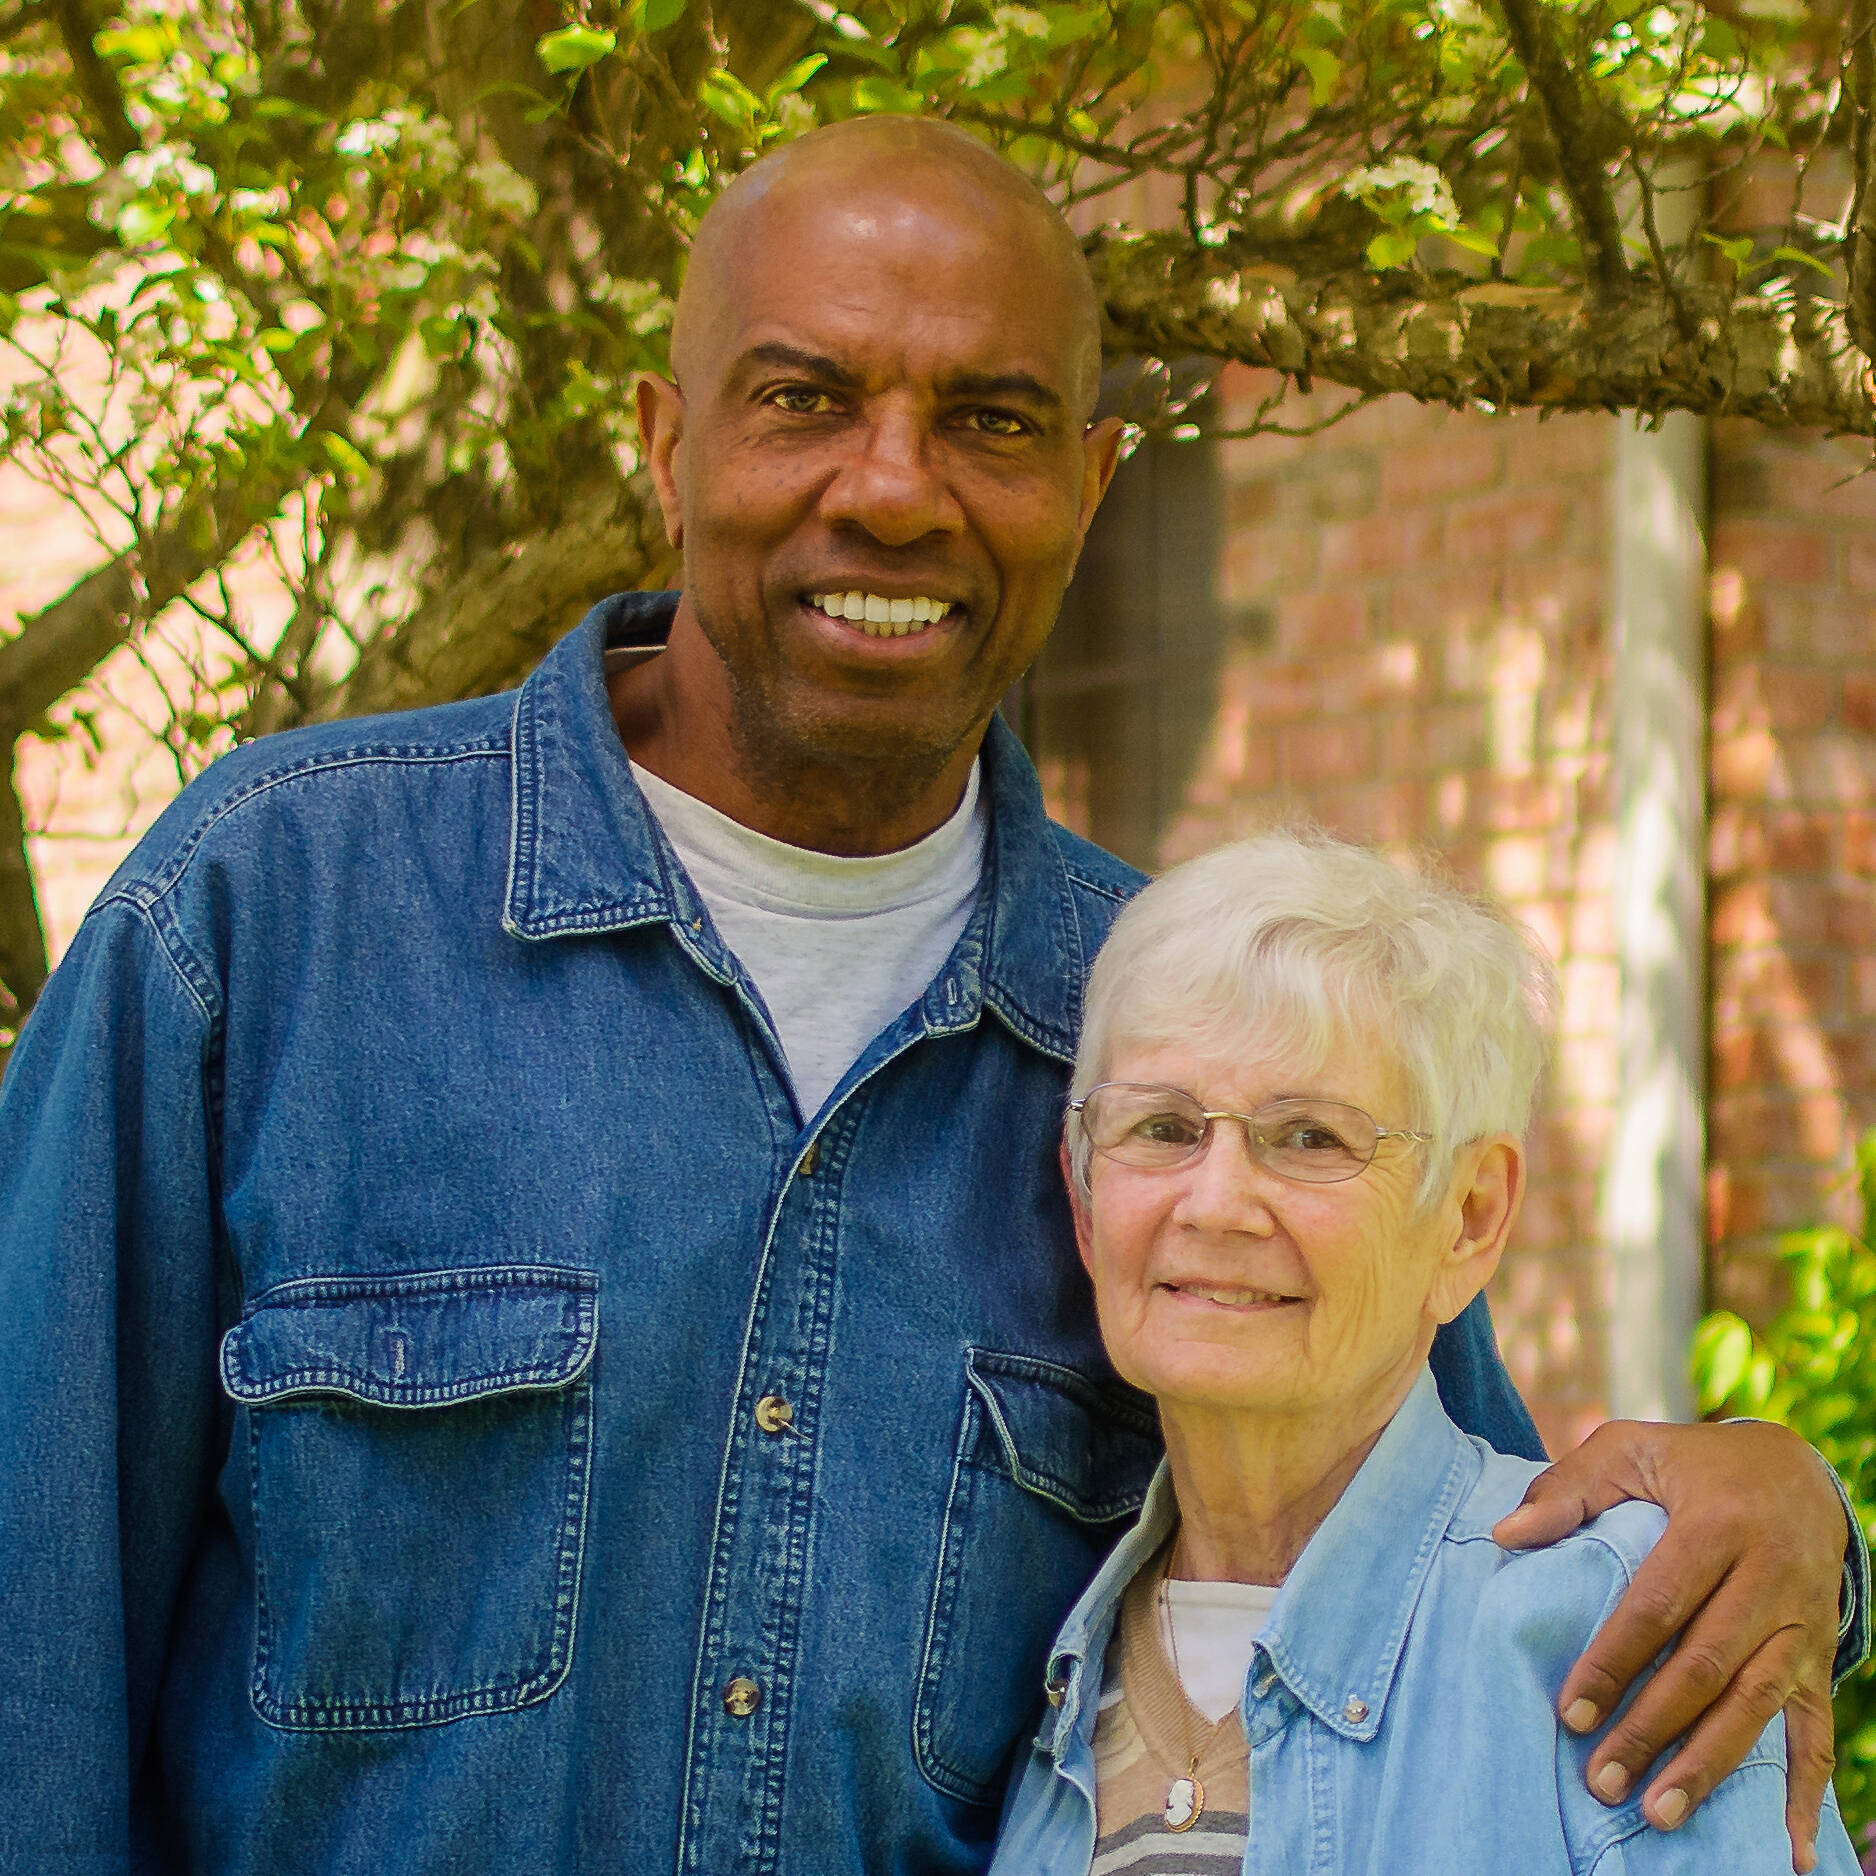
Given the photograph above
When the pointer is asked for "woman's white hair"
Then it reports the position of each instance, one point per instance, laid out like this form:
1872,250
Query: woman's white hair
1301,945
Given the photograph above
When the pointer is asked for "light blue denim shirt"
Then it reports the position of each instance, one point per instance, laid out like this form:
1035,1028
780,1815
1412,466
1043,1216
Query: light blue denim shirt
1401,1705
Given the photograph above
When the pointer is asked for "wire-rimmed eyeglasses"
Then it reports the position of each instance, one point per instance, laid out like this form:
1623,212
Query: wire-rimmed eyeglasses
1298,1137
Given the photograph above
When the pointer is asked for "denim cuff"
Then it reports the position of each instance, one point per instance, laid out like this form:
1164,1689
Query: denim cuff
1853,1603
1853,1618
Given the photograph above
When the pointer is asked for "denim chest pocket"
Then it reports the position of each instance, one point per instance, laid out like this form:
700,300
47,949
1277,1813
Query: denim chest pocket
1050,1468
419,1452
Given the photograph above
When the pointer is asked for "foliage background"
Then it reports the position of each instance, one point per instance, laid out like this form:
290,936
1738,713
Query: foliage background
1814,1370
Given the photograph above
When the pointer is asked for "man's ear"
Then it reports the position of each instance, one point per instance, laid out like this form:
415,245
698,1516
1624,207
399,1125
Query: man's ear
660,407
1100,444
1078,1207
1488,1187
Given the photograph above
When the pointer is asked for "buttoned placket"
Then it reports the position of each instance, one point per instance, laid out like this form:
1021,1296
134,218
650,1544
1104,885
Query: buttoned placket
748,1652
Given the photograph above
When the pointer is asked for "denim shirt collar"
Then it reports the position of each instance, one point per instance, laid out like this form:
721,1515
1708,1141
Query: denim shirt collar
1339,1625
586,853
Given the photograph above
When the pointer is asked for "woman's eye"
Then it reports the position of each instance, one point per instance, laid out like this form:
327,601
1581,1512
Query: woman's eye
1301,1137
1166,1130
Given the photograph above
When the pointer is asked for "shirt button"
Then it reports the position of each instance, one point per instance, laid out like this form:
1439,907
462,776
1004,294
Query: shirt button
773,1414
1354,1710
810,1159
741,1697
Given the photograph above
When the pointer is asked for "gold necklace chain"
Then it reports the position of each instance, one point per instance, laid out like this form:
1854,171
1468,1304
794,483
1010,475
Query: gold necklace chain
1185,1797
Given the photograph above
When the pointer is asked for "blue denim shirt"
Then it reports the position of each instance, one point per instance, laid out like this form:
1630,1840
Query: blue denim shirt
404,1213
1401,1706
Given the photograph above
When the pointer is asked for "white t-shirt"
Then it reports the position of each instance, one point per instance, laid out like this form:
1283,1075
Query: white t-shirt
837,946
1215,1627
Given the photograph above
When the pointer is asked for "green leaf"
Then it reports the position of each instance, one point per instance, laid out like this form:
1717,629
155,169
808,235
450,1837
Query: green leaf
1802,259
1324,69
886,94
137,45
574,48
726,96
1392,247
1738,251
344,456
1721,1355
795,77
138,222
653,16
1472,241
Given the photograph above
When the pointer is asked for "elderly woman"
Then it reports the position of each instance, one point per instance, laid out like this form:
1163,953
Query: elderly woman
1294,1148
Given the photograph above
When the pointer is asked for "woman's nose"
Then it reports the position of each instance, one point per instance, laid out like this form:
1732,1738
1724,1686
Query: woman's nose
1227,1186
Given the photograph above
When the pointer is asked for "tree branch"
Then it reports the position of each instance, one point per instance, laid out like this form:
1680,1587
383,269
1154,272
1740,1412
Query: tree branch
1861,230
24,965
56,648
1449,339
487,629
97,83
1572,116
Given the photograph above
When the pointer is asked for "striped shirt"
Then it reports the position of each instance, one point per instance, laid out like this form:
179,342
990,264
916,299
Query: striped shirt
1146,1736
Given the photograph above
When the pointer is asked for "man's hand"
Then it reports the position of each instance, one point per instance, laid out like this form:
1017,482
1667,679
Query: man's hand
1747,1575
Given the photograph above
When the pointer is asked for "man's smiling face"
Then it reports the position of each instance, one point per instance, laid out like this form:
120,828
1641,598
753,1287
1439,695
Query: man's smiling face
883,410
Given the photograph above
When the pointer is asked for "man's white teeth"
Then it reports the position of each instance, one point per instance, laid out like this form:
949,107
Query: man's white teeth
883,618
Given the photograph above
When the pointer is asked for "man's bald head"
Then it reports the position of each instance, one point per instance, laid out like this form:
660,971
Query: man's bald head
851,169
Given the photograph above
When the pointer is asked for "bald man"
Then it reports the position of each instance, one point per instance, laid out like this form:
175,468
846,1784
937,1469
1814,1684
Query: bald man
541,1324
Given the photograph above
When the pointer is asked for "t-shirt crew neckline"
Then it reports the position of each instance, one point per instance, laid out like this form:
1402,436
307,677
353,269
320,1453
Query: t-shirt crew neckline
766,874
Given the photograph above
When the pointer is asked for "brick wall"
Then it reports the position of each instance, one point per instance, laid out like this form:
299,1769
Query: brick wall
1792,842
1414,649
1431,672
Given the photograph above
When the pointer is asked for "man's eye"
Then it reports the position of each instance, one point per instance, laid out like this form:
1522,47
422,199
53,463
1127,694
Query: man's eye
800,401
998,423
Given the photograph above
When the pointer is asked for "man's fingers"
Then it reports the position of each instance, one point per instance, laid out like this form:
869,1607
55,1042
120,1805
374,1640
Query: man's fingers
1810,1755
1675,1578
1580,1486
1725,1720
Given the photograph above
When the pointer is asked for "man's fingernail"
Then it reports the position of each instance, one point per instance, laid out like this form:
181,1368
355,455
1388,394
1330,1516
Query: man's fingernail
1580,1715
1611,1781
1671,1806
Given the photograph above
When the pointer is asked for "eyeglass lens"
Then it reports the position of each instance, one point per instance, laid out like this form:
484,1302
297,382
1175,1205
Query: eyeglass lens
1315,1141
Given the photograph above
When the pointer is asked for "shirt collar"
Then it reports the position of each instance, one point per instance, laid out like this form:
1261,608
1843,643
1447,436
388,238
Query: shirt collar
1338,1628
586,855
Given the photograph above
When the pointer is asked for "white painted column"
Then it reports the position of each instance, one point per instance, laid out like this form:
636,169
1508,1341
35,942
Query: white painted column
1654,1174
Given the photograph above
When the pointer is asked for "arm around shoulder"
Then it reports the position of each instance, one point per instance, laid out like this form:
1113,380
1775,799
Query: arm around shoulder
1541,1610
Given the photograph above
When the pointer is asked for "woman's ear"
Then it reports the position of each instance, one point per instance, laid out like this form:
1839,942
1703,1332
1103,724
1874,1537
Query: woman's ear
1078,1206
1488,1187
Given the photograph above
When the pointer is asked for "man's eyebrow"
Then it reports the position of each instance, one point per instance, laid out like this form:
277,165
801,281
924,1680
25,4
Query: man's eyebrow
809,364
1019,384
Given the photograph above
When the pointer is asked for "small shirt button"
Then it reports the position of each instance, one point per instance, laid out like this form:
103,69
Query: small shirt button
774,1415
1354,1710
810,1159
741,1697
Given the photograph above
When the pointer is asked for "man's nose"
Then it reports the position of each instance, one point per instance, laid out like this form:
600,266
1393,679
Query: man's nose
890,485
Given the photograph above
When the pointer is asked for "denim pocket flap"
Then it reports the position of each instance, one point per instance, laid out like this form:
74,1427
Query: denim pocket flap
418,1339
1091,1450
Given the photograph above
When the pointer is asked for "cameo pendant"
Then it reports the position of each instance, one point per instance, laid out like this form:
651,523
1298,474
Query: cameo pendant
1184,1802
